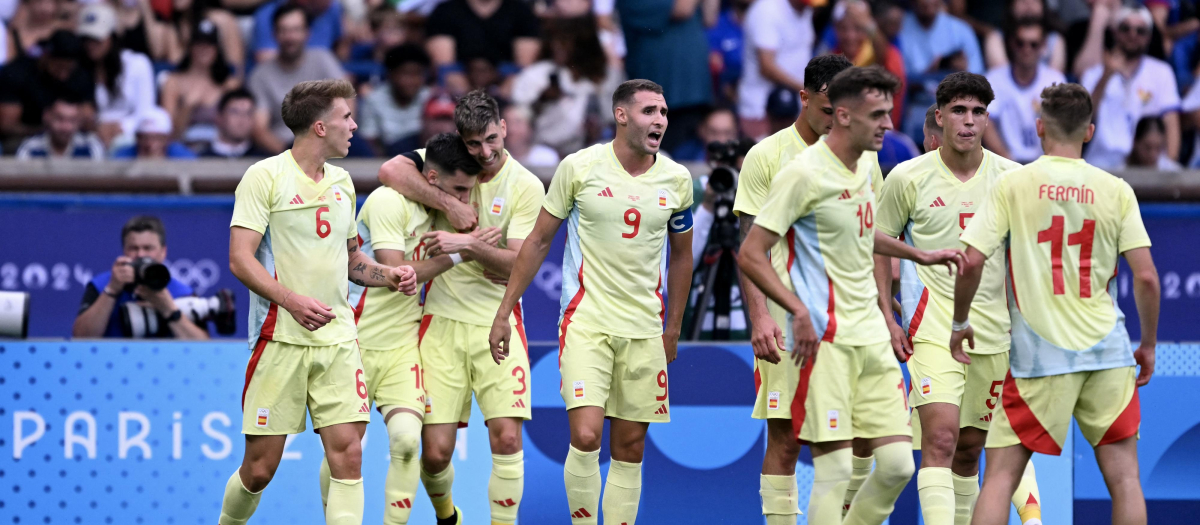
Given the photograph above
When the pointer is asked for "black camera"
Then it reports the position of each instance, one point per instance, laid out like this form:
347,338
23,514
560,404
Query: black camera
139,320
150,273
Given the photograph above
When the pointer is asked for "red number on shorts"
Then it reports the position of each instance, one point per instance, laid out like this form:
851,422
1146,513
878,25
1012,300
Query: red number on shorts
866,218
662,383
416,369
633,217
991,403
903,395
323,226
362,387
1084,238
519,373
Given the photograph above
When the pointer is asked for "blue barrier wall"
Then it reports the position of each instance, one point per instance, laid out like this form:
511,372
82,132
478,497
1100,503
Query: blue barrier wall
125,432
77,237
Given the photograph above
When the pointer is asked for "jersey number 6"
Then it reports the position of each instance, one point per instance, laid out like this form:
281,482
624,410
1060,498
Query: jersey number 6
323,226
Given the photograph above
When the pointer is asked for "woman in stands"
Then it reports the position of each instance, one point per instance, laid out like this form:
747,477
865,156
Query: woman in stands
191,92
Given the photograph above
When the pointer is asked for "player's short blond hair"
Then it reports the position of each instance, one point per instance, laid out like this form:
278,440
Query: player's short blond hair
310,100
1066,110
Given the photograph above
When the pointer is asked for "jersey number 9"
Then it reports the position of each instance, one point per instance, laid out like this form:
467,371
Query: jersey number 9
633,217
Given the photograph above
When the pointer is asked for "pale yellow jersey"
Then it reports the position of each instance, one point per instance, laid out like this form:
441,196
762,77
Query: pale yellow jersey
762,163
1065,223
615,260
825,213
388,221
928,206
510,201
305,226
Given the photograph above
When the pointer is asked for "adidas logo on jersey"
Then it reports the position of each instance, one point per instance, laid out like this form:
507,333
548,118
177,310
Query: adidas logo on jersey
938,203
402,504
662,409
606,193
297,200
987,418
506,503
581,513
845,195
519,404
364,409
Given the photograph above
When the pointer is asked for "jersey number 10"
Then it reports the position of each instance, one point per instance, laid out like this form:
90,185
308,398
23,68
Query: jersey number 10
1083,237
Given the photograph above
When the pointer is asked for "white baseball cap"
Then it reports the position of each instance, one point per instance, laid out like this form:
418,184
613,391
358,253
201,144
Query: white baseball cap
1126,12
156,120
97,21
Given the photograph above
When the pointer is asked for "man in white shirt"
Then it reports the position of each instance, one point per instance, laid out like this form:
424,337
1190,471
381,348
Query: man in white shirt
779,43
1018,87
1128,86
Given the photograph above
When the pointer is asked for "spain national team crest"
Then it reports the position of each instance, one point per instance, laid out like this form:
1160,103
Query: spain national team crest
264,415
578,385
772,400
337,195
428,404
662,198
833,419
497,205
926,386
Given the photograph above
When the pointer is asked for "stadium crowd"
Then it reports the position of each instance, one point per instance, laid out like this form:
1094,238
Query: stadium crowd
183,79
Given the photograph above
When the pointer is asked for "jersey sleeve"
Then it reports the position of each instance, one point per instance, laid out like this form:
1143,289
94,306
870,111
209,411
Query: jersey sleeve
526,208
895,206
352,225
753,183
791,197
686,194
252,200
990,226
560,198
1133,231
388,215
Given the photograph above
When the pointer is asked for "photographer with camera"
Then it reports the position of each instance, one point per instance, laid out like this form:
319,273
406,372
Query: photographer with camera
140,276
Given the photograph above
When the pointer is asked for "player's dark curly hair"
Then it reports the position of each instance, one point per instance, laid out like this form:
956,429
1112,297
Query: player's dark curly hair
446,152
856,81
821,70
964,85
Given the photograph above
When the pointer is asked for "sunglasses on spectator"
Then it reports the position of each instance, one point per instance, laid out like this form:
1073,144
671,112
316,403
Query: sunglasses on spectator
1031,44
1137,30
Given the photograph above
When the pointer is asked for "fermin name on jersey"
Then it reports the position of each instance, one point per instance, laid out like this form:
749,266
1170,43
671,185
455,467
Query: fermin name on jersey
1081,194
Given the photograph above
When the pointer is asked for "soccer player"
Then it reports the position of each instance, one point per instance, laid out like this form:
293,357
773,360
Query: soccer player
931,129
775,380
1064,223
390,229
850,384
929,200
291,241
460,305
622,202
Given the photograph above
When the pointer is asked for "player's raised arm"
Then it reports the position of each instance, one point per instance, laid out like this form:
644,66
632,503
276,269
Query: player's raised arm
403,174
365,271
533,252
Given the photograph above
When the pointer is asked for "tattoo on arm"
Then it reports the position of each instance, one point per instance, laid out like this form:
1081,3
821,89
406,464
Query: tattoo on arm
377,274
353,248
359,282
362,267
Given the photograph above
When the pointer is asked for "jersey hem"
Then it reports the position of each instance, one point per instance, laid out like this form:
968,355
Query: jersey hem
248,226
626,335
979,351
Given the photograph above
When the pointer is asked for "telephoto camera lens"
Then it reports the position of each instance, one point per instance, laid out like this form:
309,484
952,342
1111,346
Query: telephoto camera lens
150,273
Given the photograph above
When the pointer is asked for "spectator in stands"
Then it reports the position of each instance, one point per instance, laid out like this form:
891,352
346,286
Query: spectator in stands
63,137
323,20
295,62
572,82
726,49
391,115
931,130
4,47
932,40
859,38
438,117
1149,151
783,106
235,129
719,126
31,84
124,79
1085,38
138,29
106,295
191,92
779,43
997,44
1127,86
154,140
1018,86
188,18
666,43
483,74
1179,22
34,21
519,140
459,31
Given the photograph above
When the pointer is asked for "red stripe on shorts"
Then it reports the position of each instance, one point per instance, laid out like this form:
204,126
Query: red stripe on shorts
758,378
831,327
566,320
521,329
919,314
1126,424
1029,430
251,366
425,320
798,400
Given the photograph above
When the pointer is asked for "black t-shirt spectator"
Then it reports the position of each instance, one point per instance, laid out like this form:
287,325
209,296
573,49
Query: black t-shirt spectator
491,38
26,84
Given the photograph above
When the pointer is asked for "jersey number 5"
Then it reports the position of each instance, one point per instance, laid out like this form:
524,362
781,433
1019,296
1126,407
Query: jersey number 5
323,226
1083,237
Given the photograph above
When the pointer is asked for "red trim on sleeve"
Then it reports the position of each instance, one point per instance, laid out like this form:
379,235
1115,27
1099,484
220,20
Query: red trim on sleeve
1026,425
1126,424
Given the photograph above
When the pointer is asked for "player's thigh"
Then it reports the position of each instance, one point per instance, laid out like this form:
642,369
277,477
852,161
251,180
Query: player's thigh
585,362
276,395
1108,410
639,381
1035,412
337,387
821,410
502,390
984,386
936,376
880,398
394,377
446,370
